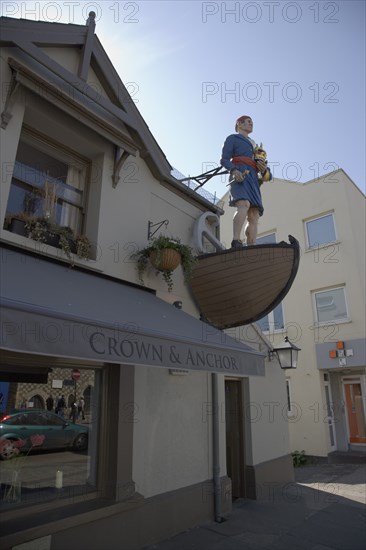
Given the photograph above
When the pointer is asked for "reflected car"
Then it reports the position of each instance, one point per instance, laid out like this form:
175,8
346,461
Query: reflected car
37,430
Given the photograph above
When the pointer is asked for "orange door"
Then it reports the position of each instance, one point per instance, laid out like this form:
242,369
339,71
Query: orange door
355,412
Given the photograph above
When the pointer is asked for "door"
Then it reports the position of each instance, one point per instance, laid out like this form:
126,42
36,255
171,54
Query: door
234,436
355,411
330,416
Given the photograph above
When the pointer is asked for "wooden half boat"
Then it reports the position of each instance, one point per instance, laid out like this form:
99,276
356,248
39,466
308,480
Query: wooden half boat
239,286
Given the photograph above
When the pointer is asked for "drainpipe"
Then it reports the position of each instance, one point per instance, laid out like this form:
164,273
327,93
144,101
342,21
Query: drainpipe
216,448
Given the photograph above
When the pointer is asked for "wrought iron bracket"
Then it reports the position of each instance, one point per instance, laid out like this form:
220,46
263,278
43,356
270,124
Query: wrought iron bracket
158,225
206,176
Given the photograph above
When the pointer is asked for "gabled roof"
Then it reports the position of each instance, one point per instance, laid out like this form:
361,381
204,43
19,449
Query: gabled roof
115,111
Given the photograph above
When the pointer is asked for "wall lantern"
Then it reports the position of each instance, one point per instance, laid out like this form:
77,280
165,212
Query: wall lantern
287,354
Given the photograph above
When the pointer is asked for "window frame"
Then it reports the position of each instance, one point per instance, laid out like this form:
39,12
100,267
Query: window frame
61,153
271,321
346,319
109,466
313,219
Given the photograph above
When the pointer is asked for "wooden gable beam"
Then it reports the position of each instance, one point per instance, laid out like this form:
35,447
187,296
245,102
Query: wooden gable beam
9,101
41,33
76,105
74,81
87,48
129,114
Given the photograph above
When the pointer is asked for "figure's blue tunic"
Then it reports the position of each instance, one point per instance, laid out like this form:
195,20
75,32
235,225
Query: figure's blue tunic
237,145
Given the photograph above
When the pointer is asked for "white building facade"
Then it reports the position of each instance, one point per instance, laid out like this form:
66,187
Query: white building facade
324,312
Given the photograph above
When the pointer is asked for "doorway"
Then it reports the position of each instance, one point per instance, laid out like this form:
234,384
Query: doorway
355,411
36,402
234,436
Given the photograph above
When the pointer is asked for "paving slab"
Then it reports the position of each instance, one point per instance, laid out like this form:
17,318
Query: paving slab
324,509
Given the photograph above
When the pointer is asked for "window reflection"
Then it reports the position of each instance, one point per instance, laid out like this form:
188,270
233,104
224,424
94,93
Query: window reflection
41,446
320,231
331,305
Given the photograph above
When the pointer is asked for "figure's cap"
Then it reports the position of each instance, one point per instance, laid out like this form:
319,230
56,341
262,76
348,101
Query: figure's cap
240,119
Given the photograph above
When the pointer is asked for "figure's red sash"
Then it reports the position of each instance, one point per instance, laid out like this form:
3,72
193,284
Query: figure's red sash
245,160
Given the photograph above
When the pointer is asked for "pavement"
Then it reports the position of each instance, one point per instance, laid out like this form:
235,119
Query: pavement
324,509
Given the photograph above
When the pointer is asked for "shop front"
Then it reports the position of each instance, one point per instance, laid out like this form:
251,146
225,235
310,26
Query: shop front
70,335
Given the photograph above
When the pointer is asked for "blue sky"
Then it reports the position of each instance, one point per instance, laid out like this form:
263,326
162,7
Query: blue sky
192,67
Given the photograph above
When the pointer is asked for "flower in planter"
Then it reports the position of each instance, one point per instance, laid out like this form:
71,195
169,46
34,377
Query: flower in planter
71,243
83,247
38,228
154,254
42,230
66,240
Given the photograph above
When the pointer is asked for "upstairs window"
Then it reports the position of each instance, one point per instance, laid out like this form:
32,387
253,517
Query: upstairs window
47,186
49,182
320,231
266,239
273,321
330,305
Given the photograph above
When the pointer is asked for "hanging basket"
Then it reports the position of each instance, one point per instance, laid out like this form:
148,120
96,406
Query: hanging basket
166,259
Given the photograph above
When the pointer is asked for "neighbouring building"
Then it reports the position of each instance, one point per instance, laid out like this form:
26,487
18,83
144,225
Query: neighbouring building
180,415
324,314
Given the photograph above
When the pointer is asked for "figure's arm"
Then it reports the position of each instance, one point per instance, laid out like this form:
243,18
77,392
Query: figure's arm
227,154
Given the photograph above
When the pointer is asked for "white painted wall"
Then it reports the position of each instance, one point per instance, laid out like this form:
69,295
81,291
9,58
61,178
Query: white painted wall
267,412
172,442
287,204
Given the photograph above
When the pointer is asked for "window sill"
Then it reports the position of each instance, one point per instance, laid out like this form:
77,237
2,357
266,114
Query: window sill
23,527
321,246
47,250
274,331
332,322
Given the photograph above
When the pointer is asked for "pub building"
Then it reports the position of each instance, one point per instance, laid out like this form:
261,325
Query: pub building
178,414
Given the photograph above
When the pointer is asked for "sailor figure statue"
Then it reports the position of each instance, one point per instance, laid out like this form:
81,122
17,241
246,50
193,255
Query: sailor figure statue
248,168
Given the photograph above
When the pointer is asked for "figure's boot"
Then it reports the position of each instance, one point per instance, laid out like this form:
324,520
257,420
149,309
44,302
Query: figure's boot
236,244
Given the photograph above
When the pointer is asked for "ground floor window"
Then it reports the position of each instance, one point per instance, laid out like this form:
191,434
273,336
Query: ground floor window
49,433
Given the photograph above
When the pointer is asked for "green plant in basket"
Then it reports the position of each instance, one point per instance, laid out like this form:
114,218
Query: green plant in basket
165,254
